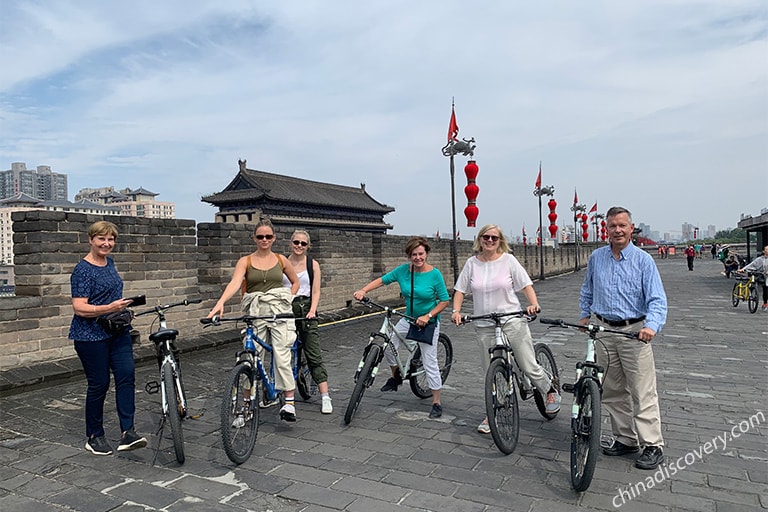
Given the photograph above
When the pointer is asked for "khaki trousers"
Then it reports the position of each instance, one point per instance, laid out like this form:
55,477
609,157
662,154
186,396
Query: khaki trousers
629,389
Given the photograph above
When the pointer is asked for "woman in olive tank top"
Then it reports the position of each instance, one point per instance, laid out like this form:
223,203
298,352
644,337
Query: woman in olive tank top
259,276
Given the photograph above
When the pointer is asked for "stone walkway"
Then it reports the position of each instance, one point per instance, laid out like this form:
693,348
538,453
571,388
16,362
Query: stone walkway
711,369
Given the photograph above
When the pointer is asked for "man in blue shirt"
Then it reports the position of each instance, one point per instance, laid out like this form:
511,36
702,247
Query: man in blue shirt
623,289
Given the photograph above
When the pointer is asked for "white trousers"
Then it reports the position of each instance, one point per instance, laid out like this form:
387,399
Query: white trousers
428,354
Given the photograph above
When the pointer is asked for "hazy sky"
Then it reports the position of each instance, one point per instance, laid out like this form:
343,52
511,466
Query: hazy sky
659,106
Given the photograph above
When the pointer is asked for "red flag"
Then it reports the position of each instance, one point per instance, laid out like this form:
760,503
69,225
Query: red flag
453,128
523,229
593,209
538,179
575,197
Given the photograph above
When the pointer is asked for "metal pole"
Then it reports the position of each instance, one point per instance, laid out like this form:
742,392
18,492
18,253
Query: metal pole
576,238
454,256
541,243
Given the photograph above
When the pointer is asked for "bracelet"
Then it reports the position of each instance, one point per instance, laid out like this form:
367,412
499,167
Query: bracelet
456,311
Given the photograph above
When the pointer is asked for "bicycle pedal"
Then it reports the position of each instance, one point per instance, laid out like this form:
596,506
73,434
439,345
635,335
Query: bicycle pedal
152,387
568,388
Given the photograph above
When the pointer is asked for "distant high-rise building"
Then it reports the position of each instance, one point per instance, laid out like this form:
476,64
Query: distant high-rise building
40,183
711,231
134,203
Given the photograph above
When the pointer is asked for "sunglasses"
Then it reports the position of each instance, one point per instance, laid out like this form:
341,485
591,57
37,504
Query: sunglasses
492,238
262,237
299,242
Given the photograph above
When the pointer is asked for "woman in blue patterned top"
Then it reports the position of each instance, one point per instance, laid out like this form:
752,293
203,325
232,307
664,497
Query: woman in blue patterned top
424,290
97,290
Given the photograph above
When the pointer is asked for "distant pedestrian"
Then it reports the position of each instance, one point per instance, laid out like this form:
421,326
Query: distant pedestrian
638,298
713,250
760,266
97,290
690,254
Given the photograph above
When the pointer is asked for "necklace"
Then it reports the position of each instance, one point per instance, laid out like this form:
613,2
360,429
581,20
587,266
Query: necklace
264,273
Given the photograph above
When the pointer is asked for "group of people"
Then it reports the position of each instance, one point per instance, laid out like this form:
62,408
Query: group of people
621,287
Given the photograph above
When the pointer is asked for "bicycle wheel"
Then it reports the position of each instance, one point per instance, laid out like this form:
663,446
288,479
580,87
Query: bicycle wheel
240,417
174,411
304,383
735,294
585,438
501,406
752,301
364,379
547,361
418,379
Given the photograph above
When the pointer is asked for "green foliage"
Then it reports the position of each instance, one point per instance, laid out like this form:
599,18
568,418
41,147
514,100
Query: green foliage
734,236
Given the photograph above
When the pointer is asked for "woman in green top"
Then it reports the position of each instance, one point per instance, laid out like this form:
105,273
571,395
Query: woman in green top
425,284
259,276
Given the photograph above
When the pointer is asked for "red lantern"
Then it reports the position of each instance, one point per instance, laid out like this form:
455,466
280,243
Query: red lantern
603,233
471,191
552,204
584,227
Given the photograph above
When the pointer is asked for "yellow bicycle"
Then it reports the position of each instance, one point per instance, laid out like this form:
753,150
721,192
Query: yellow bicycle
745,288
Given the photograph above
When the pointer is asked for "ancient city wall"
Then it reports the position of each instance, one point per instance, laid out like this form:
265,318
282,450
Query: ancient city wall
169,260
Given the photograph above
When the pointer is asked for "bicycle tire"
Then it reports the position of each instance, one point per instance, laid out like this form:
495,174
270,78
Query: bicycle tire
418,379
364,379
585,436
752,300
237,439
501,406
304,382
735,294
174,412
546,359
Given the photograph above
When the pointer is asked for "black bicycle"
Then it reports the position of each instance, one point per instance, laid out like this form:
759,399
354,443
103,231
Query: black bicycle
171,386
586,410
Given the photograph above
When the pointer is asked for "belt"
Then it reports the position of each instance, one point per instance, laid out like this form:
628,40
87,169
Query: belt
620,323
301,297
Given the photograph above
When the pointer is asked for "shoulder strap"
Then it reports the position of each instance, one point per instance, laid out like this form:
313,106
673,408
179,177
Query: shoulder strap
310,273
244,286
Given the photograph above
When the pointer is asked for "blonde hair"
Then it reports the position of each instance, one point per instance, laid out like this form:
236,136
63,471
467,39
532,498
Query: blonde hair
264,223
102,227
302,232
503,245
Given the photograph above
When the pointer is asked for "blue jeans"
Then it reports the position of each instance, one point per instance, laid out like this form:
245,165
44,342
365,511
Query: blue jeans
98,358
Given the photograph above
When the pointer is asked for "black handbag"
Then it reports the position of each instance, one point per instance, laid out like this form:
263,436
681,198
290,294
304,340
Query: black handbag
115,323
420,334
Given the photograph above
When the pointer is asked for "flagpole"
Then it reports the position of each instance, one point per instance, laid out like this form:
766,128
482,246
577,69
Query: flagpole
541,191
454,255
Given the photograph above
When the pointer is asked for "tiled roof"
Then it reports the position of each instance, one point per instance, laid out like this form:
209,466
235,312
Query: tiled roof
142,191
251,185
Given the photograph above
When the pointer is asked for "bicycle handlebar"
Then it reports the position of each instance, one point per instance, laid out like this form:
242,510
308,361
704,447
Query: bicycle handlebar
248,319
498,316
591,328
157,309
368,302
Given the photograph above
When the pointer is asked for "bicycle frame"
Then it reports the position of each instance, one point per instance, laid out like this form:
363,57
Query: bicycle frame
385,333
268,378
503,350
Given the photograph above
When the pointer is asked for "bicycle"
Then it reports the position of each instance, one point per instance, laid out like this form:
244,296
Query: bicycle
745,288
504,376
412,368
586,409
239,410
171,387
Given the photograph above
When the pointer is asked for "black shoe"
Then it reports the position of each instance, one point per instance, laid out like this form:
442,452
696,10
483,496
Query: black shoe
392,384
651,458
437,411
131,441
98,446
618,448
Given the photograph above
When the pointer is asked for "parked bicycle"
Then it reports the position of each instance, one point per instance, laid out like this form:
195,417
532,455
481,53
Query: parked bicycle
412,367
504,376
745,288
171,387
586,409
243,397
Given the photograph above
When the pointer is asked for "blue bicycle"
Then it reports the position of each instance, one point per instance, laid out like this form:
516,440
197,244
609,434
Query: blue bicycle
243,397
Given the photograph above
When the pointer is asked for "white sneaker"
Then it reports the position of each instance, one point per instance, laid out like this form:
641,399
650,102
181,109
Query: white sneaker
288,413
327,407
553,403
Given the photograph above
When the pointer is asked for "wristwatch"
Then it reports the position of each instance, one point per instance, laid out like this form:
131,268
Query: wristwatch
429,314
